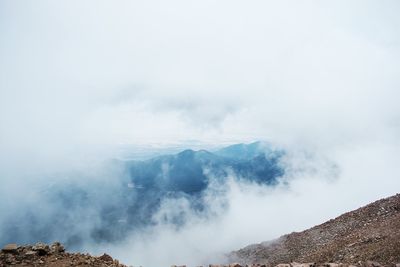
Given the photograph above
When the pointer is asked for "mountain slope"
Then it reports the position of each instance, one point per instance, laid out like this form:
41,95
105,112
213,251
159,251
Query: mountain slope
369,233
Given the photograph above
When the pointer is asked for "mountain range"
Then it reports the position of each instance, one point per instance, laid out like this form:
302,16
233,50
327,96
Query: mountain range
79,210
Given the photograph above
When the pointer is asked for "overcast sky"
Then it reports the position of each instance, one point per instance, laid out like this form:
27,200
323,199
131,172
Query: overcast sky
110,72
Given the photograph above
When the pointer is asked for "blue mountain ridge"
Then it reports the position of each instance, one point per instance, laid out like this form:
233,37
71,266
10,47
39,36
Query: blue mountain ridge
110,213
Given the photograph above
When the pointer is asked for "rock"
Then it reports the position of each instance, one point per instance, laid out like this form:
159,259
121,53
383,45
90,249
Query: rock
31,256
283,265
56,247
106,257
30,253
330,264
235,265
10,248
296,264
41,249
372,264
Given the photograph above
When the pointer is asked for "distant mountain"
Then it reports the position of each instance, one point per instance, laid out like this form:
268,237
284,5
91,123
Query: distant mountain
244,151
369,233
77,210
189,171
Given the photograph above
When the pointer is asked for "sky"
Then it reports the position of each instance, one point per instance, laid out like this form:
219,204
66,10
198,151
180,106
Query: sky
80,78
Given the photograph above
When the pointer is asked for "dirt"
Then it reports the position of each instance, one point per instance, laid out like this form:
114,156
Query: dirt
370,233
51,256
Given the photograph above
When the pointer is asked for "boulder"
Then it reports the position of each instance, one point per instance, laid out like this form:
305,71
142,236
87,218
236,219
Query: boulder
56,247
30,253
330,264
41,249
106,257
372,264
309,264
10,248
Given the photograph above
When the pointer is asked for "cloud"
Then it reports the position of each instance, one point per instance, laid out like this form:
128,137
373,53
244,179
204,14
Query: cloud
80,79
242,213
208,68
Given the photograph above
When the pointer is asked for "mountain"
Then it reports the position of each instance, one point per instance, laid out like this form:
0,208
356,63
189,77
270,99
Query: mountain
76,208
242,151
368,233
189,171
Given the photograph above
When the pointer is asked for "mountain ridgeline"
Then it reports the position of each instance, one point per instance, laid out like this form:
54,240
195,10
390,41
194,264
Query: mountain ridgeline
77,213
190,171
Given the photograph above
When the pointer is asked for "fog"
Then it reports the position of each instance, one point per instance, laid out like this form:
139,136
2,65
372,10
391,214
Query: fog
82,81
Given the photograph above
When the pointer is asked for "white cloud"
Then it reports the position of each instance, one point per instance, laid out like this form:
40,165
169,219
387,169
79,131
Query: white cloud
79,77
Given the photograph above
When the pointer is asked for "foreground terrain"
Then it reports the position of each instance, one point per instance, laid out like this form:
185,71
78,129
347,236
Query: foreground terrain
51,256
371,233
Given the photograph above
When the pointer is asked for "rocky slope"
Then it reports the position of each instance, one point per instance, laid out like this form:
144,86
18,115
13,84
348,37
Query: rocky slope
369,233
51,256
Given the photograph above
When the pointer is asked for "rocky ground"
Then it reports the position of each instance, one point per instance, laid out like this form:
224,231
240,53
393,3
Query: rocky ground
369,234
51,256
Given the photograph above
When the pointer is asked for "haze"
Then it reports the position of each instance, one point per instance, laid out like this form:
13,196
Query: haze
81,80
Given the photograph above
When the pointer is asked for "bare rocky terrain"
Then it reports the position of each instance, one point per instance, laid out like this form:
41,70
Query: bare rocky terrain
368,234
51,256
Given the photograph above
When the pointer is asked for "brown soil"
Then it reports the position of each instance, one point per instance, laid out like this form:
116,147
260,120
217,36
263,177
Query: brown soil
369,233
51,256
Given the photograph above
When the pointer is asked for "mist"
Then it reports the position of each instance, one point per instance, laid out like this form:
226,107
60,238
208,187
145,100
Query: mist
82,83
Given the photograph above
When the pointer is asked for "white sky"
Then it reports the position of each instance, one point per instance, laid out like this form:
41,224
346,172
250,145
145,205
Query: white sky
100,72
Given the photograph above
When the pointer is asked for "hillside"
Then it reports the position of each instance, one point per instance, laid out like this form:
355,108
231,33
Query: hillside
368,233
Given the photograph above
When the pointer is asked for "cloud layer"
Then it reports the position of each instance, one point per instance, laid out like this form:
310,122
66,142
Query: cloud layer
80,79
106,73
